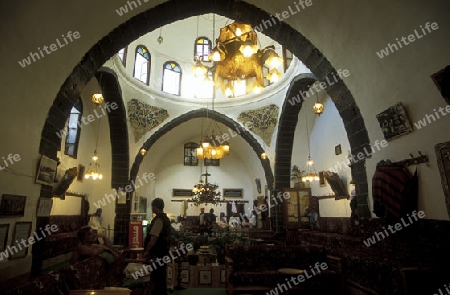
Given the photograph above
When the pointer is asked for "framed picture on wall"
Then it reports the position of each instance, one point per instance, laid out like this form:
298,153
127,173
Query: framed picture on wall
233,193
81,172
46,171
394,122
12,205
22,230
44,207
4,228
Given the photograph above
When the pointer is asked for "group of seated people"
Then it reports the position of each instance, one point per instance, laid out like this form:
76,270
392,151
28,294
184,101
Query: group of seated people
208,220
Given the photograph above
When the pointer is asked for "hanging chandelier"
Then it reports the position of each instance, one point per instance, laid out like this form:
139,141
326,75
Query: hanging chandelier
205,192
212,146
93,172
97,97
318,106
238,61
310,173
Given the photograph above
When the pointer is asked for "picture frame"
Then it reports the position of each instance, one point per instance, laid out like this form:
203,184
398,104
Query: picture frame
443,159
4,230
258,185
81,172
211,162
322,181
222,276
337,149
184,274
44,207
394,122
233,193
442,81
180,192
47,171
12,205
22,230
204,277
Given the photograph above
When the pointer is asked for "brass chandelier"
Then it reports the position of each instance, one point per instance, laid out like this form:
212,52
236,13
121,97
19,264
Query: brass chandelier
205,192
212,146
237,58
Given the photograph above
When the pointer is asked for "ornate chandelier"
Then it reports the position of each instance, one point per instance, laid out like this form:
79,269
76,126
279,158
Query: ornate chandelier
239,60
205,192
212,146
94,165
310,174
93,168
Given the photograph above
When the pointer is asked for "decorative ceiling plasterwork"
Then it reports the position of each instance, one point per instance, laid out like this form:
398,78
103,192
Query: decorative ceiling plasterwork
261,121
144,117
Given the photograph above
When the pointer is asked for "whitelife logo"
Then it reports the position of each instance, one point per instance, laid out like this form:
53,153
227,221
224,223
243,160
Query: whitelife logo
53,47
398,226
31,240
411,38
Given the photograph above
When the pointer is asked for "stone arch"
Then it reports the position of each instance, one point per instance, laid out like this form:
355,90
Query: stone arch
203,113
174,10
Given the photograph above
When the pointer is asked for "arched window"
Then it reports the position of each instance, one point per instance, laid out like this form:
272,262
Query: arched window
171,78
123,55
190,154
142,64
202,49
73,130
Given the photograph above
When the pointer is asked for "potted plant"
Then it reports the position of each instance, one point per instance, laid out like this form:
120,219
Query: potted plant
222,239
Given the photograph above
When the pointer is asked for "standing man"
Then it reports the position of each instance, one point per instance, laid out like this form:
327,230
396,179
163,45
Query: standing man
157,245
210,220
201,221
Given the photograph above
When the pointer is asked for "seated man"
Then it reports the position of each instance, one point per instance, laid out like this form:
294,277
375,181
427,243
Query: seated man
90,247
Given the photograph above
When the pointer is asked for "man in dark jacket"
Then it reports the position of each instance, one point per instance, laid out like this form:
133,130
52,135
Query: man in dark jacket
157,245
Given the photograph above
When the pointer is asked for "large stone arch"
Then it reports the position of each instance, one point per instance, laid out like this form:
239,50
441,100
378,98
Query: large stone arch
216,116
174,10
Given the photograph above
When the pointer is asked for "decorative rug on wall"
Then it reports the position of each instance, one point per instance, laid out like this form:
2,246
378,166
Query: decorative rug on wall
261,121
144,117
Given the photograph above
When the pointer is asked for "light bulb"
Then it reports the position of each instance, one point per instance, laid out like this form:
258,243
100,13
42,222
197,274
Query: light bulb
316,178
304,178
310,162
216,56
248,51
275,62
238,32
100,176
94,157
274,78
86,176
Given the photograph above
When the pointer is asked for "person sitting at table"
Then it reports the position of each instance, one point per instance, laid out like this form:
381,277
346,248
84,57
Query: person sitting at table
89,246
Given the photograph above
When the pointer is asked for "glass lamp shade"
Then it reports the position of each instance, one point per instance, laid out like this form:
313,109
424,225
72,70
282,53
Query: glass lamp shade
273,76
263,156
97,98
143,151
205,144
318,108
310,162
199,70
316,177
200,153
226,148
